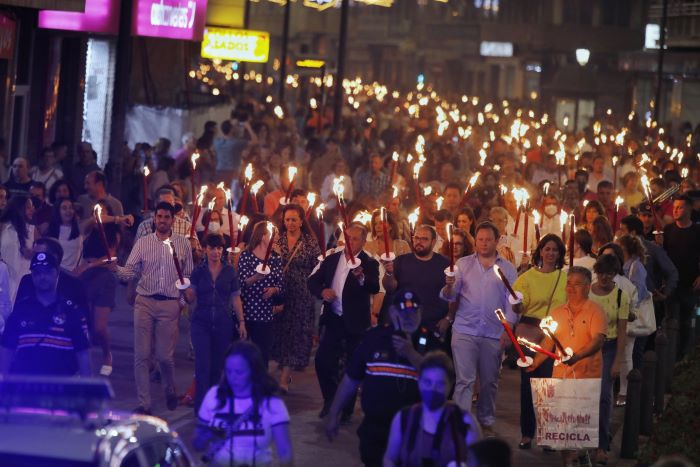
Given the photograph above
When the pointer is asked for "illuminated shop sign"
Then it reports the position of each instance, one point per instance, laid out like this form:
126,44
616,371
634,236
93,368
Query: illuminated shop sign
236,44
172,19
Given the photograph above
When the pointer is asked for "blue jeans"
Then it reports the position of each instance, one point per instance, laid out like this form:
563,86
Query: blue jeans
606,390
210,341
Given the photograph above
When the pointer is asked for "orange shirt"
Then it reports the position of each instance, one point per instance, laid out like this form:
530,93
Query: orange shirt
577,331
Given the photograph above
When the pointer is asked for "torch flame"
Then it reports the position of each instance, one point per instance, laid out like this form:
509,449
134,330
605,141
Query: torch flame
169,244
395,156
243,222
618,201
499,313
413,218
536,216
98,212
394,191
319,210
311,198
200,196
438,202
475,177
363,217
256,187
563,217
291,172
146,172
194,158
279,112
549,324
338,187
228,195
248,173
211,205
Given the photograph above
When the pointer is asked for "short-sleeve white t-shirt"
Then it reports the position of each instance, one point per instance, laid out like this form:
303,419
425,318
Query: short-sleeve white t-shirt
251,440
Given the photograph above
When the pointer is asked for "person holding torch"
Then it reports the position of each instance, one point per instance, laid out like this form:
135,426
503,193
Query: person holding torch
478,336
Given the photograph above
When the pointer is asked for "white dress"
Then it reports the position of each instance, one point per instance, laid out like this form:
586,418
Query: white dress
72,248
17,265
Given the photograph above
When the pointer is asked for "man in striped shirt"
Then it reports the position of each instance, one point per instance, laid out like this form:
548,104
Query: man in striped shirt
157,305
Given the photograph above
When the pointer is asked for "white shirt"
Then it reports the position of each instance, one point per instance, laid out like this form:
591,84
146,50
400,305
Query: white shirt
341,274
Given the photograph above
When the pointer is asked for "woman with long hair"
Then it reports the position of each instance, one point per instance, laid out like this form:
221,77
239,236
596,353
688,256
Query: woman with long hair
602,232
544,288
293,326
633,253
61,189
466,220
583,250
592,210
463,245
259,291
216,288
241,417
64,227
16,239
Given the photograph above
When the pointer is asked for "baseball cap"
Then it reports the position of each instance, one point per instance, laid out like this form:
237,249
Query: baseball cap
45,260
406,300
644,208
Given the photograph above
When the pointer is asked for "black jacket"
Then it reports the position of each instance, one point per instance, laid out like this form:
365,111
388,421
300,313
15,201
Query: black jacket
356,297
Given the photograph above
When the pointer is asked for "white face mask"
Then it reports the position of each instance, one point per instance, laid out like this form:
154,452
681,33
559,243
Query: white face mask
214,227
551,210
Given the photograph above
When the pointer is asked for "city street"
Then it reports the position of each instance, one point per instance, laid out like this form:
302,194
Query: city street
304,401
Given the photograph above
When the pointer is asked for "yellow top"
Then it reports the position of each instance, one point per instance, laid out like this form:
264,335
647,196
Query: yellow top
537,287
609,305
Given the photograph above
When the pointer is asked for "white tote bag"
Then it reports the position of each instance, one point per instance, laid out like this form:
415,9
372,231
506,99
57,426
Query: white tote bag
567,412
645,323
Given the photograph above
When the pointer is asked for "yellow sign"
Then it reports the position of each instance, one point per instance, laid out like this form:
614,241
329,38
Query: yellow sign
320,5
384,3
236,44
310,63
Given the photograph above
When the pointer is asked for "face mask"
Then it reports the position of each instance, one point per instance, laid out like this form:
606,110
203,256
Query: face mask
550,210
433,399
214,227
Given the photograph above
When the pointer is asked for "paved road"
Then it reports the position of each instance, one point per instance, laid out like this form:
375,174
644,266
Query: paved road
304,401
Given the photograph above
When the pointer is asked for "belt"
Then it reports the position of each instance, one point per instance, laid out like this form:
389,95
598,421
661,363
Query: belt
160,298
530,320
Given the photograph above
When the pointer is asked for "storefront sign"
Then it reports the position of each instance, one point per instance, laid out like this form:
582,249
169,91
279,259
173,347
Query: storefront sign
496,49
100,16
310,63
7,37
172,19
236,44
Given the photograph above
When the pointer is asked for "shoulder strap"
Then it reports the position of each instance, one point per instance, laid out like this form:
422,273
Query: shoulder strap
619,298
554,290
294,253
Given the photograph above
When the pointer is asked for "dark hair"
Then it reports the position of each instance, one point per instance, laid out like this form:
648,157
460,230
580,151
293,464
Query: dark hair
537,255
633,224
41,185
443,215
226,127
429,228
617,249
607,264
469,212
452,185
602,230
55,222
685,198
53,246
214,240
14,213
262,384
54,188
581,271
390,220
437,359
604,184
257,235
99,177
584,240
595,204
488,225
468,246
302,216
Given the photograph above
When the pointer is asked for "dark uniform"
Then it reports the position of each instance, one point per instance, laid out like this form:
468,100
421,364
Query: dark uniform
46,338
389,383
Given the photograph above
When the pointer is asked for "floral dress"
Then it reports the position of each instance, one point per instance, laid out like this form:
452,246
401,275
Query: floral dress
293,326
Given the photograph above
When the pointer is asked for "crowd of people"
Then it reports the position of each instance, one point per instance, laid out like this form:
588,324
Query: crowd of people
407,225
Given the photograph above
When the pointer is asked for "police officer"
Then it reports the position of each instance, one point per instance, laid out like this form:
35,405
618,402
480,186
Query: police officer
47,333
386,363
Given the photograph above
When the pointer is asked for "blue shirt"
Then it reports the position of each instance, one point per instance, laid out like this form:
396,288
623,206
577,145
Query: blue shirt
480,292
638,276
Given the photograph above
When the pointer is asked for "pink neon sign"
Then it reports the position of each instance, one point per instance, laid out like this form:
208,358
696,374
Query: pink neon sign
173,19
100,16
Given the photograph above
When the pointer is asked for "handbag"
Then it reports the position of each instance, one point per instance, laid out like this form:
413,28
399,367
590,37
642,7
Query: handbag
644,323
528,328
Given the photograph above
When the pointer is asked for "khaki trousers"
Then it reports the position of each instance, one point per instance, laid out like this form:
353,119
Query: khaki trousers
155,324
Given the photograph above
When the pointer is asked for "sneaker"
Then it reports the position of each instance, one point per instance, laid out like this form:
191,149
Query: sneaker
171,400
141,410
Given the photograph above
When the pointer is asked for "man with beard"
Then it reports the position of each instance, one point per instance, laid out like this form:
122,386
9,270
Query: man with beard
422,272
157,308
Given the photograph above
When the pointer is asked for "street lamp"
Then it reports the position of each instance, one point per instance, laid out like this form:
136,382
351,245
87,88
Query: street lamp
582,56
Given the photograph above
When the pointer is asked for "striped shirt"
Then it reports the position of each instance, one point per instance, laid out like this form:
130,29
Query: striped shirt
152,261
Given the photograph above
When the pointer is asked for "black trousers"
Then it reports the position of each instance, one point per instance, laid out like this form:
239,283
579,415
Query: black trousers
260,333
335,343
374,436
528,422
211,341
